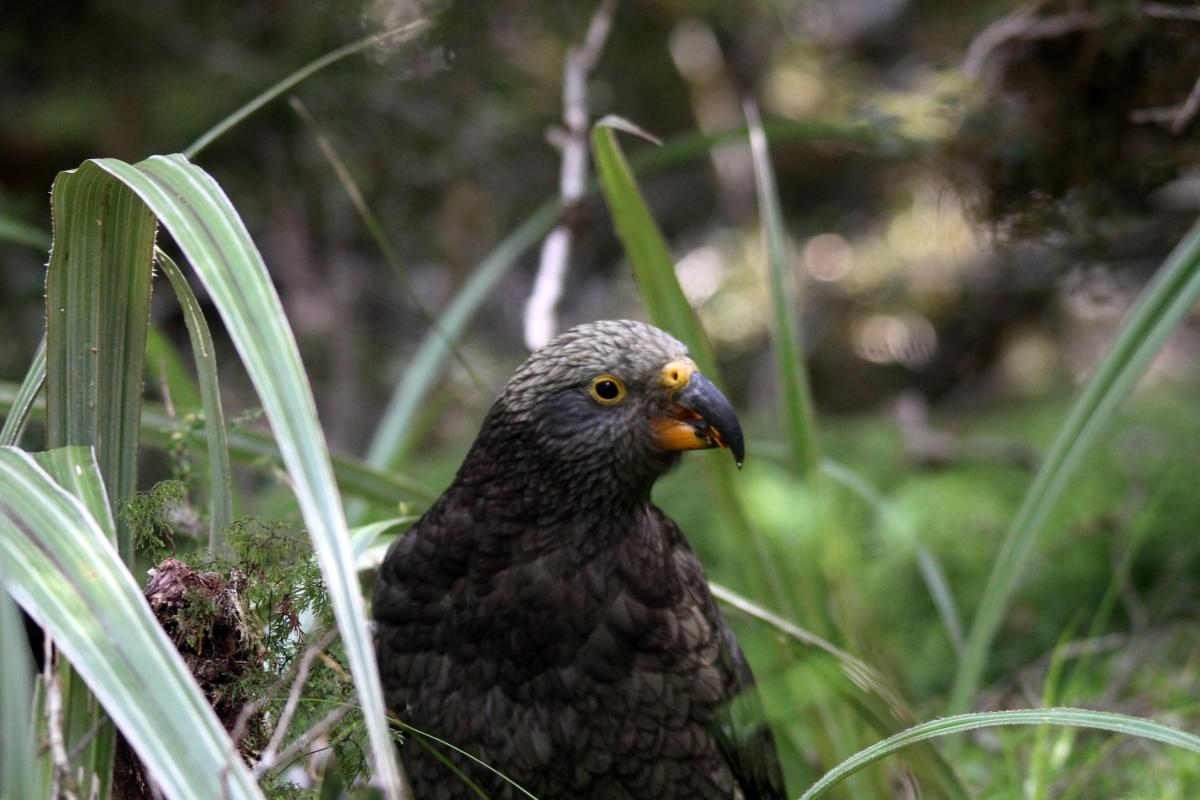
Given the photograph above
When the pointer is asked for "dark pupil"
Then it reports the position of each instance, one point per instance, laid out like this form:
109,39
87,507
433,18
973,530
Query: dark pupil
607,390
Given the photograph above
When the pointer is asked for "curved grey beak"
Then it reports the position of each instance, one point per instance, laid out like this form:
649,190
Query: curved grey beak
717,424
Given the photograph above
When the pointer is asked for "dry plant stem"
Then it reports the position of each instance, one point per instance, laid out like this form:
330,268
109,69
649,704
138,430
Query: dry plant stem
540,310
929,446
266,764
289,708
254,706
1022,25
1169,11
1177,118
54,714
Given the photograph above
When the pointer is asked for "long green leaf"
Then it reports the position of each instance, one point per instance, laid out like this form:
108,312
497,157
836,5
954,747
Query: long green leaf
59,564
369,543
26,396
377,232
251,448
204,224
864,689
669,309
97,313
83,718
1073,717
798,419
647,251
18,778
16,232
166,368
219,485
394,434
294,78
1164,303
97,317
931,571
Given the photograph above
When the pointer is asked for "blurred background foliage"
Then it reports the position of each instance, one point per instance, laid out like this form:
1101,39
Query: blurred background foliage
1018,173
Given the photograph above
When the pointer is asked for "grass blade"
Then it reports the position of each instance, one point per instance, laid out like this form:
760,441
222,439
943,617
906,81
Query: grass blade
376,231
84,720
363,538
866,691
98,311
394,434
300,75
219,485
647,251
97,318
258,450
1073,717
943,599
18,412
18,748
669,309
369,543
16,232
798,418
1164,303
58,563
204,224
165,367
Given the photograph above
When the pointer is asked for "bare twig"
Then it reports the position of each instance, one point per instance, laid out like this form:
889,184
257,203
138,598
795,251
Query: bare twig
60,774
1022,25
929,446
540,310
254,706
302,741
1176,118
1168,11
289,708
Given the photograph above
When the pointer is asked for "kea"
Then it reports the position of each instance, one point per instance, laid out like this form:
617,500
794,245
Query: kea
546,618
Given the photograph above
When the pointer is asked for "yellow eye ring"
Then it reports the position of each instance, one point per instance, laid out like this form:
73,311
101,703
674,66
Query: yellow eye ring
607,390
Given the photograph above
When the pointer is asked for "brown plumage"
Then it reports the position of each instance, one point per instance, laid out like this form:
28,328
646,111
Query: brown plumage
546,618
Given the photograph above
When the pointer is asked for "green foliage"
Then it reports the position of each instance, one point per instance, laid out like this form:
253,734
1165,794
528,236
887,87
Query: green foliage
58,561
879,554
149,517
1100,720
1163,305
281,580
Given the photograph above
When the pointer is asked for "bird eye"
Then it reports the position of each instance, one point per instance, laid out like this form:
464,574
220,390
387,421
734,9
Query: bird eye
608,390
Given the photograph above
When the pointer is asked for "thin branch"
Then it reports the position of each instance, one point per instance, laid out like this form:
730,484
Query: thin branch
929,446
1168,11
61,772
289,708
302,741
1176,118
1022,25
541,308
254,706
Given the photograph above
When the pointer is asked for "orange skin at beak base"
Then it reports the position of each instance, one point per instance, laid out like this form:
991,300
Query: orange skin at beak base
674,434
682,427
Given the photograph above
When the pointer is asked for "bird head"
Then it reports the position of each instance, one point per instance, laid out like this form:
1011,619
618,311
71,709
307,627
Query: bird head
617,398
